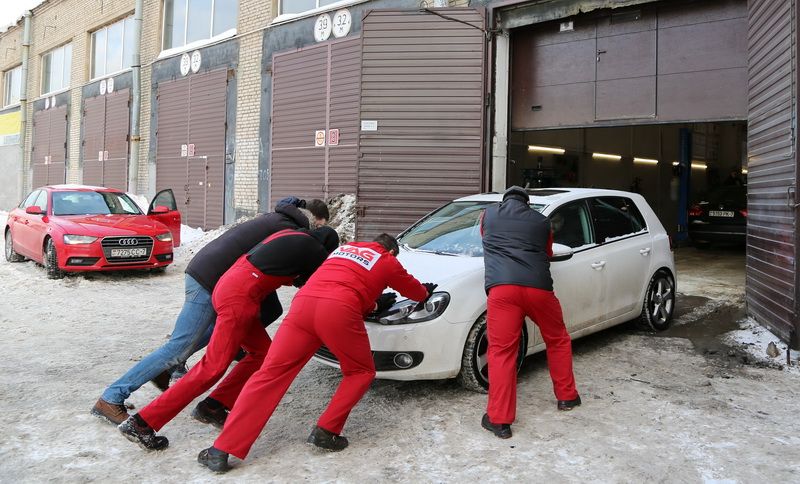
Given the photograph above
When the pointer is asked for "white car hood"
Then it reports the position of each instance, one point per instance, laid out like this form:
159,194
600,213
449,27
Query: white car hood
439,269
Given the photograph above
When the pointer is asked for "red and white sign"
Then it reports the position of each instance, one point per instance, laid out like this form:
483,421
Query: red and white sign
105,156
366,258
191,149
184,151
319,138
333,137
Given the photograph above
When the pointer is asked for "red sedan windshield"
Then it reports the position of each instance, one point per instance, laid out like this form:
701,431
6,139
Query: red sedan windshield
93,203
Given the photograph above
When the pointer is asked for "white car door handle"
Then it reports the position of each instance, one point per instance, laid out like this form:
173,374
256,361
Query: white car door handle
645,252
598,265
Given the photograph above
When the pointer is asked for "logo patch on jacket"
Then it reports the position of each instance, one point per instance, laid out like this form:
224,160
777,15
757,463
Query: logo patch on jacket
366,258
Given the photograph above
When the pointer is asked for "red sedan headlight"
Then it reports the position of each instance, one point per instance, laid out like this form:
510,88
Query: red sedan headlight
70,239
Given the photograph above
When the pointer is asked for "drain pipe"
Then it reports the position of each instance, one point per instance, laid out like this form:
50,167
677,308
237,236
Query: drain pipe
136,99
23,98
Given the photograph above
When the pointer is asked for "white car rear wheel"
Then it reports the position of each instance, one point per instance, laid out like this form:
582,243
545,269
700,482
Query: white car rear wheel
659,302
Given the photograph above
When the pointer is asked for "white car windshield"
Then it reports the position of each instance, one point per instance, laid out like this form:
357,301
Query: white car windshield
93,203
452,230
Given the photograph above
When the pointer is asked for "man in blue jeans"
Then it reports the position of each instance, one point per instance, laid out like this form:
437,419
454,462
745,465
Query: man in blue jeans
195,322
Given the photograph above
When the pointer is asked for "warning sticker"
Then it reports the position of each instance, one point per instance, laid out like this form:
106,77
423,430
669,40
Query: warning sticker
366,258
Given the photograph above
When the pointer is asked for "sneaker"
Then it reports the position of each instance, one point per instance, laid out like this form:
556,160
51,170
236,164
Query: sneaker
136,430
211,412
567,405
161,381
110,412
214,459
327,440
500,430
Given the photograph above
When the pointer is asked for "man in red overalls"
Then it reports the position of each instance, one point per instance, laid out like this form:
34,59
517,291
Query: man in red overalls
517,246
328,310
283,258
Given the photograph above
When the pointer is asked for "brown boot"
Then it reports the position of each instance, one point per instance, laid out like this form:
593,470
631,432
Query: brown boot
115,414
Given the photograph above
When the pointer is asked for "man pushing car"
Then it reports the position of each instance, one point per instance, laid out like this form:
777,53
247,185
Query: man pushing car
328,310
285,257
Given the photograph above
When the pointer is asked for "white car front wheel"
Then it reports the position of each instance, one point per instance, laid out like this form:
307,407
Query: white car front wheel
474,374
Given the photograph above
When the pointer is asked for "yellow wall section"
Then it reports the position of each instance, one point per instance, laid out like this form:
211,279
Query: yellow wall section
9,123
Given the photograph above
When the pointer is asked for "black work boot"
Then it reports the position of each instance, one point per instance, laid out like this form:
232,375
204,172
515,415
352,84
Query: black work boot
567,405
500,430
214,459
161,381
210,411
327,440
136,430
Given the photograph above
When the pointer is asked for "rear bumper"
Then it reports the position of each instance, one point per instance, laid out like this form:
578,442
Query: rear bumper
700,231
90,258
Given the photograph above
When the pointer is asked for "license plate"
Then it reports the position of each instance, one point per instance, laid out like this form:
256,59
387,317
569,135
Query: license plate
720,213
128,253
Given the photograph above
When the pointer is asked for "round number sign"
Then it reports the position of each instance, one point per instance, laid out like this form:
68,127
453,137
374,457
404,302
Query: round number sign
110,85
322,28
196,60
342,21
186,64
102,87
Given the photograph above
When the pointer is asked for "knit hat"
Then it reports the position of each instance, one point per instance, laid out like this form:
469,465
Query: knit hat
326,236
516,192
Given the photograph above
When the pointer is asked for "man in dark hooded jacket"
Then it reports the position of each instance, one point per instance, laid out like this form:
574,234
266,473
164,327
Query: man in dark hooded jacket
517,245
195,322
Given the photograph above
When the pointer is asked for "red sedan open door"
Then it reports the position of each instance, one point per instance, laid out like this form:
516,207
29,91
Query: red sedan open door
164,209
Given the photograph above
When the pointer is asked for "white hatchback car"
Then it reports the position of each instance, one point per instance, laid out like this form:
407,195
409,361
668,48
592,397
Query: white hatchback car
612,263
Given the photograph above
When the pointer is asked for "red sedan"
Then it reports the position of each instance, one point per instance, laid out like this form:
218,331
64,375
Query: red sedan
72,228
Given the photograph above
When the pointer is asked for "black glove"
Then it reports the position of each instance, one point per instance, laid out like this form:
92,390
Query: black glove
384,302
430,287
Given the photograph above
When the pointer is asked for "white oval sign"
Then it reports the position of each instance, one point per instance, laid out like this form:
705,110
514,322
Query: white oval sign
342,21
186,64
196,61
110,85
322,28
47,103
102,87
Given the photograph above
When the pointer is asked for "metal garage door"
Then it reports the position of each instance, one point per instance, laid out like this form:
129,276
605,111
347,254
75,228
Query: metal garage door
315,89
668,63
772,284
190,149
105,140
422,104
49,152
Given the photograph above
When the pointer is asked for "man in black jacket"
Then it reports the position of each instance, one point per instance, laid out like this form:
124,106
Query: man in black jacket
195,322
517,245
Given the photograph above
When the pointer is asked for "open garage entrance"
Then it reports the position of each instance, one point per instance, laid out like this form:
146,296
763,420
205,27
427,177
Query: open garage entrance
646,159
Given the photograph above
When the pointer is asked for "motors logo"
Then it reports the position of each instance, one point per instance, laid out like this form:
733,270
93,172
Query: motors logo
366,258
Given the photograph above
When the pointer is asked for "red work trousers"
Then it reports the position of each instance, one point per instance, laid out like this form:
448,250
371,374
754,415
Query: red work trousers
310,323
237,302
506,309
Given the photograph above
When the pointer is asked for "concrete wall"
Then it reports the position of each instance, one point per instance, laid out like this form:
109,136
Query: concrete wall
10,165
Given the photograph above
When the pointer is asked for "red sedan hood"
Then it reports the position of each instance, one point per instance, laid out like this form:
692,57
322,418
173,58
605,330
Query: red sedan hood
104,225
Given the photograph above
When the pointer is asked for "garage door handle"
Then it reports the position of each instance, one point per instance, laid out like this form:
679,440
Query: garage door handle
598,265
645,252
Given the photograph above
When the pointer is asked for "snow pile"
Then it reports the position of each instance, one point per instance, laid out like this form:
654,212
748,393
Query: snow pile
192,240
141,201
343,216
755,340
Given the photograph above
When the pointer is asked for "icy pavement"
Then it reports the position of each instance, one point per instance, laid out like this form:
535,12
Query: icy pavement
655,408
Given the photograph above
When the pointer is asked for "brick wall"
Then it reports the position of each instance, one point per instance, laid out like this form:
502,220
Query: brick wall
10,54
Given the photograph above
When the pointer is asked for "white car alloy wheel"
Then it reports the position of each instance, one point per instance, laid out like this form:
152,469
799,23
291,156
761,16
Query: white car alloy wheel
659,302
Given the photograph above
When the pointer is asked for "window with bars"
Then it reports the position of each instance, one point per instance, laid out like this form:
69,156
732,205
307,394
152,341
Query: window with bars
56,68
188,21
112,48
12,86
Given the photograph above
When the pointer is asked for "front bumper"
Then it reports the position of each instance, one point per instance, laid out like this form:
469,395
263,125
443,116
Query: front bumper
90,258
436,348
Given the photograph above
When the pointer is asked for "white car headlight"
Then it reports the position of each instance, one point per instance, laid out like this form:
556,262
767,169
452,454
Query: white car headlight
167,237
406,312
70,239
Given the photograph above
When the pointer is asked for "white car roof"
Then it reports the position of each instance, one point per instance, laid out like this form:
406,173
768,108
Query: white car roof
548,196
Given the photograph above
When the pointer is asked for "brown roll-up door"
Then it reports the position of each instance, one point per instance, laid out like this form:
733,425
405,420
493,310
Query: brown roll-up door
40,152
771,289
49,147
117,127
672,62
190,145
422,82
94,115
343,115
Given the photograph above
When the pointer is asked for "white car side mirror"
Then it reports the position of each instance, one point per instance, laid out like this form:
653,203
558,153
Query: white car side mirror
561,252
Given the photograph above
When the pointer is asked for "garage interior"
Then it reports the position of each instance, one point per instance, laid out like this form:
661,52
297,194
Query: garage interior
642,159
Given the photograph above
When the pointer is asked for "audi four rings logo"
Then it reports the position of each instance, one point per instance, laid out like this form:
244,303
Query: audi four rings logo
128,242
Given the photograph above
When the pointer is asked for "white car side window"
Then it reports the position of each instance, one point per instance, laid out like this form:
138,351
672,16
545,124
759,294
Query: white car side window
572,225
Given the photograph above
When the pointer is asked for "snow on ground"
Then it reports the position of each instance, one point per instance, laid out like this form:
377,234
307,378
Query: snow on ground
756,339
654,408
